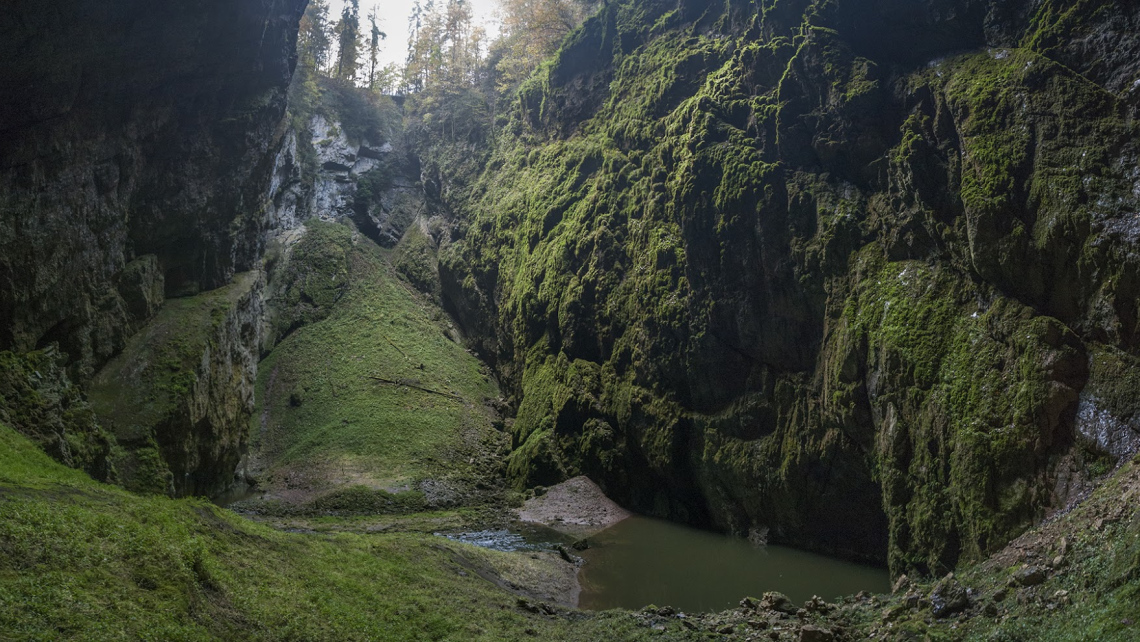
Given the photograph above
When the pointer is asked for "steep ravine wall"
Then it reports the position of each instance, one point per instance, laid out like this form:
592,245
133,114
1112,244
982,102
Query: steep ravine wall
137,143
132,129
344,159
838,273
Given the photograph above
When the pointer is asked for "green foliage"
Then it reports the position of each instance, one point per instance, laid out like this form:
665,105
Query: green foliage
365,115
415,258
38,400
83,561
375,390
349,43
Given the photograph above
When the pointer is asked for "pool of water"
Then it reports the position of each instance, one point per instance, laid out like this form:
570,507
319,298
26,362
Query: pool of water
238,493
642,561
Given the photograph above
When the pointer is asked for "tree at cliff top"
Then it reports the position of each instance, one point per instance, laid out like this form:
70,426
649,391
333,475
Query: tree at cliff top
314,49
445,48
314,41
348,42
375,36
532,30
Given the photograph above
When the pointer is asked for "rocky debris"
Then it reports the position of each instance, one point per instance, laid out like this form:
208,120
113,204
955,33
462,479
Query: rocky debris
811,633
817,605
776,601
902,584
949,597
537,608
1029,576
576,506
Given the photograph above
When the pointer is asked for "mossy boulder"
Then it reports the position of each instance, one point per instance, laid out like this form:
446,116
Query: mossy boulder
179,397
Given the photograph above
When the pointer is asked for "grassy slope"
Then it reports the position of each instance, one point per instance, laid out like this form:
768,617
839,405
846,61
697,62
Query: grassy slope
325,420
1091,557
81,560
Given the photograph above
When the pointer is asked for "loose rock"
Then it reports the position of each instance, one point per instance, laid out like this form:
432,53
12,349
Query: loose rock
815,634
1029,576
949,597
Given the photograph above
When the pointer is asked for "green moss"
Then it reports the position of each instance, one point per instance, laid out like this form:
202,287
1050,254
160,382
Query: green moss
970,409
82,561
415,258
1054,22
152,377
1033,180
799,287
1114,380
146,394
313,277
377,392
364,500
38,399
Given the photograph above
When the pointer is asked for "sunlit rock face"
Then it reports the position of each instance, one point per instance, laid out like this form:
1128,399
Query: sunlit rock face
328,186
132,129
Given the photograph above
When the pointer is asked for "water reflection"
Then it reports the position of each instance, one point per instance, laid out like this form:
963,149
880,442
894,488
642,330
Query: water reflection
642,561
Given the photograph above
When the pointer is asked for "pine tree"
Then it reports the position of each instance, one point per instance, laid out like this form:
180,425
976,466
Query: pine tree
374,48
315,39
412,81
348,40
444,48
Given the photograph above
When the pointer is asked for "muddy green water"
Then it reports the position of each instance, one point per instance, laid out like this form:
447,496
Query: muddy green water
642,561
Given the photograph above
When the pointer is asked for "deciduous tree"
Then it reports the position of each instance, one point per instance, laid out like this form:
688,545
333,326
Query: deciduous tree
532,30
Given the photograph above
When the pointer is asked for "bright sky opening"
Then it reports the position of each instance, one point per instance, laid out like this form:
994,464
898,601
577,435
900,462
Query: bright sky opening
393,20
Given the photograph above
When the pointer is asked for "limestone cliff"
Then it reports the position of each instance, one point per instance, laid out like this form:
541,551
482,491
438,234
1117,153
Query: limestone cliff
180,396
137,151
855,274
345,158
132,129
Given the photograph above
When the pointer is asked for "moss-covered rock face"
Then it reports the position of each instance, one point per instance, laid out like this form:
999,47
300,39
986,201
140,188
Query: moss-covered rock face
179,397
134,131
821,268
374,406
307,276
39,400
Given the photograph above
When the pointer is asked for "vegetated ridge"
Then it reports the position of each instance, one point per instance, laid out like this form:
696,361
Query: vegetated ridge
855,277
